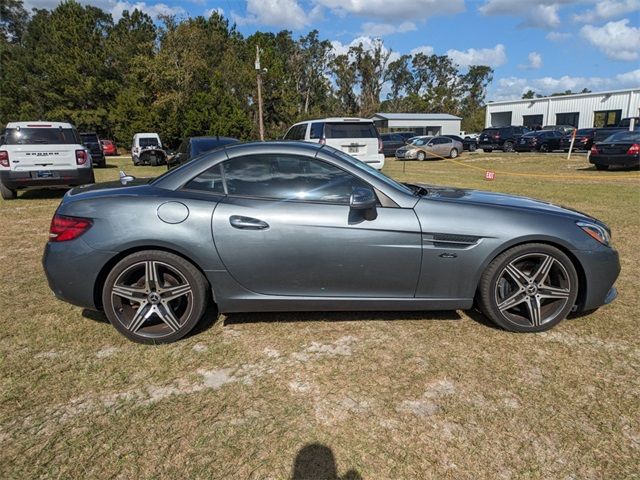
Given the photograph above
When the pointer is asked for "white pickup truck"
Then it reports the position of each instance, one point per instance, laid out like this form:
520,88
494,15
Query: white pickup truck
42,154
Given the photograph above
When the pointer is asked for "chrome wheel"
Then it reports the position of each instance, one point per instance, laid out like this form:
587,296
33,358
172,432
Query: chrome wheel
152,299
532,290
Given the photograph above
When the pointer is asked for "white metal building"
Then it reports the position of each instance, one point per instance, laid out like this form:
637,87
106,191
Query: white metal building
583,110
420,123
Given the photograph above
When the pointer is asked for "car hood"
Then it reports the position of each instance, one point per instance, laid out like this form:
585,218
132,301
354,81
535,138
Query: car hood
482,197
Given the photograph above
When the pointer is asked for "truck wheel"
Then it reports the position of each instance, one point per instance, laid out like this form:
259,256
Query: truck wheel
7,193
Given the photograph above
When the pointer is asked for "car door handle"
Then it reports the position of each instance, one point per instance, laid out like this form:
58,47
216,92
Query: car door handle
247,223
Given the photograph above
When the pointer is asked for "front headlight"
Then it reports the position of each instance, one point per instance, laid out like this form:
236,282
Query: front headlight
595,231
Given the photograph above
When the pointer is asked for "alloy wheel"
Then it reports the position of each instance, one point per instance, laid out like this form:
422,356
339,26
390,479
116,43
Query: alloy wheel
152,299
532,290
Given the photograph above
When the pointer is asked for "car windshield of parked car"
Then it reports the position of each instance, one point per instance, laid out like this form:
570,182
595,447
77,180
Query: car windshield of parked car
624,137
89,138
207,144
369,169
350,130
585,131
148,142
52,136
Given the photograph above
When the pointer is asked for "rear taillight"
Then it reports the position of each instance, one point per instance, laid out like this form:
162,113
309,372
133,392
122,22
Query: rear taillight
496,135
64,228
380,146
81,157
4,158
634,149
594,150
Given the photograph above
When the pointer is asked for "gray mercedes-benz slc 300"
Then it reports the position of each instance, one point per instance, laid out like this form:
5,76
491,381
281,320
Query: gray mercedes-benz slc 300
298,226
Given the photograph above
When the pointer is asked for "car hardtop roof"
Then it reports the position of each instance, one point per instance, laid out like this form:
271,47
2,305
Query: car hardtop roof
39,124
337,120
151,134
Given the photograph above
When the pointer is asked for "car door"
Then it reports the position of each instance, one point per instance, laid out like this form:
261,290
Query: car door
286,228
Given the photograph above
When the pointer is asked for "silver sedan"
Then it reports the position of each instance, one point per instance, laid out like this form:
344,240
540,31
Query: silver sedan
423,148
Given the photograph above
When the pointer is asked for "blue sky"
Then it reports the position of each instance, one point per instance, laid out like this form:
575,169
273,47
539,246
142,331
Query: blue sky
545,45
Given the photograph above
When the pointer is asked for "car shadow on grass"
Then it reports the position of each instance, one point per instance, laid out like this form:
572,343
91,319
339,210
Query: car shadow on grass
316,461
43,193
344,316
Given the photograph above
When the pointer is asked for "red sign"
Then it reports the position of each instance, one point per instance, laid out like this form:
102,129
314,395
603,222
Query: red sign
489,175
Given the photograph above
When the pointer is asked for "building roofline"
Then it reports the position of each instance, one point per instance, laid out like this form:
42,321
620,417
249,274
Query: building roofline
559,97
414,116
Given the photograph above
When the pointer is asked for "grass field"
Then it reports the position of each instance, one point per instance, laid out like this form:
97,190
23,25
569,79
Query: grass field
340,395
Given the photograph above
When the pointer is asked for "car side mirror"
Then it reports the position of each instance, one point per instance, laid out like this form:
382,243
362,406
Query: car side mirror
365,201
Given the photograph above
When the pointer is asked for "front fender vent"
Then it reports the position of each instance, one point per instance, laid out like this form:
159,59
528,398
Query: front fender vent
449,240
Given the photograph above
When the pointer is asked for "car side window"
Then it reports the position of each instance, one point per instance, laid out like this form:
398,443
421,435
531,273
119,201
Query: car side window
315,132
208,181
289,177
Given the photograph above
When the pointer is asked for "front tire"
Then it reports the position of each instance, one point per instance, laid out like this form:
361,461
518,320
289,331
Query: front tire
507,147
7,193
529,288
421,156
154,297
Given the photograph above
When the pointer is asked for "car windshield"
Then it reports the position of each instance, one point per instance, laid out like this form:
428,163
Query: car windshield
350,130
531,134
51,136
206,144
89,138
585,131
418,142
368,168
149,142
633,137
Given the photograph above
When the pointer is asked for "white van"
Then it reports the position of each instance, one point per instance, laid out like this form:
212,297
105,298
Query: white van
356,136
152,146
42,154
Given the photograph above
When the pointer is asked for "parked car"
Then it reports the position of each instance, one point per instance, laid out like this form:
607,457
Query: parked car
564,129
500,138
191,147
540,140
109,148
469,144
391,142
290,226
92,142
622,149
423,148
147,150
602,134
583,141
356,136
42,154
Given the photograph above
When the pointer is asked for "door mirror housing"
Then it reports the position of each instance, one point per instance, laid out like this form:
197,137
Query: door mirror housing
364,200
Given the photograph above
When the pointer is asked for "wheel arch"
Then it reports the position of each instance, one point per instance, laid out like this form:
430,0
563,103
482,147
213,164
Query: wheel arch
106,268
582,278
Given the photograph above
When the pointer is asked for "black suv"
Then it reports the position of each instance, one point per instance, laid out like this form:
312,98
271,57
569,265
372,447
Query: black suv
92,142
500,138
393,141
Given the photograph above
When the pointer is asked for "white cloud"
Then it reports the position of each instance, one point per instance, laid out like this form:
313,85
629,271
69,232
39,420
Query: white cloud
425,50
535,62
493,57
511,88
372,29
368,43
210,11
607,9
534,13
616,40
278,13
115,8
411,10
558,36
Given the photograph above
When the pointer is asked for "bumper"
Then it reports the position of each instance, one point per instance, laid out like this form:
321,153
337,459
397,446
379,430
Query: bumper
72,269
601,269
623,160
410,155
376,161
60,178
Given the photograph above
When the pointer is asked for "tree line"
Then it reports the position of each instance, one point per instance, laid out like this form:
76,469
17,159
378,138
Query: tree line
196,76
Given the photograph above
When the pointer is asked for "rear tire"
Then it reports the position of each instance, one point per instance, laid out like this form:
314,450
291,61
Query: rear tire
544,148
529,288
453,153
601,167
154,297
7,193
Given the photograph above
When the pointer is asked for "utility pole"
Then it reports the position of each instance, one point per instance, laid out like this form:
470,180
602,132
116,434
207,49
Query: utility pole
259,81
